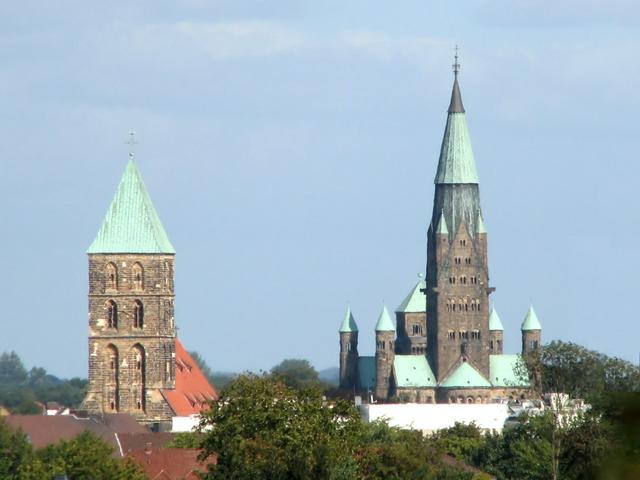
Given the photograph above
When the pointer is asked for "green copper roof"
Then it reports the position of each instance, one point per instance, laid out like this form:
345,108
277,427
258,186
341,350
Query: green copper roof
456,164
465,376
416,301
480,228
367,372
349,323
507,371
384,321
494,321
531,321
131,224
413,371
442,226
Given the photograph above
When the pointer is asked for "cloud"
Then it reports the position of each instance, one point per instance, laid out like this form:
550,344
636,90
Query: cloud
218,40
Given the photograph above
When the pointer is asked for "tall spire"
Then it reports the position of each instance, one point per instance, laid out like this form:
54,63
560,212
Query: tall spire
455,106
456,164
131,224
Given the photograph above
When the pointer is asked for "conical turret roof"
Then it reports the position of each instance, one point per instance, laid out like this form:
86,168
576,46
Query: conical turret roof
131,224
385,324
456,164
415,301
531,321
494,321
349,323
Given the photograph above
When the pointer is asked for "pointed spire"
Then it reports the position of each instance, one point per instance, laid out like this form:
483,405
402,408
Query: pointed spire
349,323
480,228
385,324
531,321
131,224
494,321
442,225
456,164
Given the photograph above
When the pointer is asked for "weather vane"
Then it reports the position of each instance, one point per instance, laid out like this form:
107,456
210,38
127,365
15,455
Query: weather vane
131,142
456,65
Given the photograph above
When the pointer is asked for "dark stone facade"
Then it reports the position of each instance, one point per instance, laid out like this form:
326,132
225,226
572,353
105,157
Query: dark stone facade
131,335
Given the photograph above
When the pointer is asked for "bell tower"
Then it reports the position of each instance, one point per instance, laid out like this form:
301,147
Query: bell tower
132,333
457,280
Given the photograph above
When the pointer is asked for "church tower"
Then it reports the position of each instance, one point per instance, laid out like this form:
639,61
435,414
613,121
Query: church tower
457,281
132,335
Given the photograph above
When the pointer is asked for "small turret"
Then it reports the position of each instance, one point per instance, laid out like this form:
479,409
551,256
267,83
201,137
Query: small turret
348,351
531,332
385,353
496,331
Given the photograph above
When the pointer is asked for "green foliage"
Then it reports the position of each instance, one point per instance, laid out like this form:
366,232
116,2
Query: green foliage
580,372
296,373
20,389
186,440
84,457
461,441
217,379
15,450
262,429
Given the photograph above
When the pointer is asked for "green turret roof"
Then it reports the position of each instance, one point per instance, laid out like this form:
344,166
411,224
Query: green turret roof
416,301
442,226
456,164
131,224
494,321
531,321
385,324
465,376
349,323
480,228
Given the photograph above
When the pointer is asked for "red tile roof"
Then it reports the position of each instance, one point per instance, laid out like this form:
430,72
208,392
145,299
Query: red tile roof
192,387
170,463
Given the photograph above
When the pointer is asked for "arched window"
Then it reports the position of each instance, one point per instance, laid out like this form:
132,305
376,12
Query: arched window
111,272
138,378
138,276
138,314
112,314
111,358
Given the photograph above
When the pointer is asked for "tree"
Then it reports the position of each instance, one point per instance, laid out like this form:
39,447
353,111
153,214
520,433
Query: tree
15,450
84,457
262,429
296,373
217,379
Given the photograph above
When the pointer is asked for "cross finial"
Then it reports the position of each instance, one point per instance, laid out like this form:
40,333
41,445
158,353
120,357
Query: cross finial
131,142
456,65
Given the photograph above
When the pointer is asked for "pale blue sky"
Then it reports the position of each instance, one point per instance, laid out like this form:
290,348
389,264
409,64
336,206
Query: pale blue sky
290,149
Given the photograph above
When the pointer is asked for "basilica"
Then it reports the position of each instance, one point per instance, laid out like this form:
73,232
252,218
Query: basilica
446,345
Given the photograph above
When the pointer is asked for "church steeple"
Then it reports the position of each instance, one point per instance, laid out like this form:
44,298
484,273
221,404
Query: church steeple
457,267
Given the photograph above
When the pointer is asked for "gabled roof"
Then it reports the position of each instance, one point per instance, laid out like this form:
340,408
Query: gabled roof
494,321
480,228
531,321
367,372
415,301
507,371
456,164
385,324
132,224
413,371
349,323
465,376
442,225
192,390
171,463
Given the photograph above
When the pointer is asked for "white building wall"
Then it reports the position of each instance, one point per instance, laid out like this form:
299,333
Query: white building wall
429,417
184,424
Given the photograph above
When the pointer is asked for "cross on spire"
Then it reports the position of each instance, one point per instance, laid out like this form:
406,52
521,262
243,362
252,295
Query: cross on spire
131,142
456,65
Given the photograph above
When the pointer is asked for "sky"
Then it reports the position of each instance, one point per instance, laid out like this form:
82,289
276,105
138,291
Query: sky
290,148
